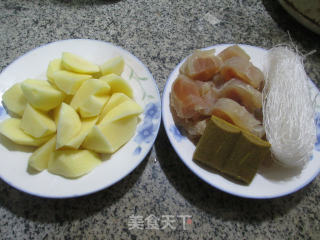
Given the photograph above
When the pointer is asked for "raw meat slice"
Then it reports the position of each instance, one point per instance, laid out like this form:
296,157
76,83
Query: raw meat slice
236,114
201,65
233,51
192,99
237,67
242,93
185,96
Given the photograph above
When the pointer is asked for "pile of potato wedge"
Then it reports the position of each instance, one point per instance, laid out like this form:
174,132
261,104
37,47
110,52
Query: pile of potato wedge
83,109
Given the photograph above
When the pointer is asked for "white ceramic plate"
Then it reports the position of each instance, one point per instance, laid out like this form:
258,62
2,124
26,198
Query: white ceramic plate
304,11
268,183
14,159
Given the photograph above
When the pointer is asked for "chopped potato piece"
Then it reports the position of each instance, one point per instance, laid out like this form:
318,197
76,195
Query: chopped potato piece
41,95
96,141
93,106
55,114
86,126
54,66
67,99
37,123
125,109
114,65
73,163
40,158
118,84
11,129
115,100
69,82
90,98
69,125
14,100
75,63
109,137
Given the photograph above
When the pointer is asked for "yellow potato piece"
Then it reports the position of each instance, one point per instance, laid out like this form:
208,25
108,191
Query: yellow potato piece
75,63
125,109
55,114
73,163
14,100
96,141
93,105
119,132
54,66
40,158
109,137
67,99
11,129
114,65
115,100
41,95
69,125
90,98
118,84
37,123
69,82
86,126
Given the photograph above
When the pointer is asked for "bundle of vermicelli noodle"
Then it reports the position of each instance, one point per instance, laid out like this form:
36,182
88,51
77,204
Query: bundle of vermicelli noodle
288,110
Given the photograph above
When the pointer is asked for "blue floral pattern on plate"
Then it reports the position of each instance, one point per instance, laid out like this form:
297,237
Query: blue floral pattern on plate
137,151
176,133
317,120
152,111
148,127
2,110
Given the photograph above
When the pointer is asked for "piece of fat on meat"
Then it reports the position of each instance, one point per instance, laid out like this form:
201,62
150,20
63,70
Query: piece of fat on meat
242,93
237,67
233,51
201,65
238,115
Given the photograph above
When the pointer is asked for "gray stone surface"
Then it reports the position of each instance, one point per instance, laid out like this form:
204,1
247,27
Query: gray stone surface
160,33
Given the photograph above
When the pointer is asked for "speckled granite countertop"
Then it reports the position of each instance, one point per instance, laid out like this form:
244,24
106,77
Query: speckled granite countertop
160,33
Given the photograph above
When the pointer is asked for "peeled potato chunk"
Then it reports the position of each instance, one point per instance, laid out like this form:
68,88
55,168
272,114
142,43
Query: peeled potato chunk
86,126
11,129
54,66
118,84
55,114
75,63
90,98
14,100
37,123
96,141
69,82
125,109
115,100
73,163
109,137
114,65
69,125
41,95
93,106
115,129
40,158
67,99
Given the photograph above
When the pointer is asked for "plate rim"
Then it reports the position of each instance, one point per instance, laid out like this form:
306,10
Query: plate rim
137,163
300,17
266,196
